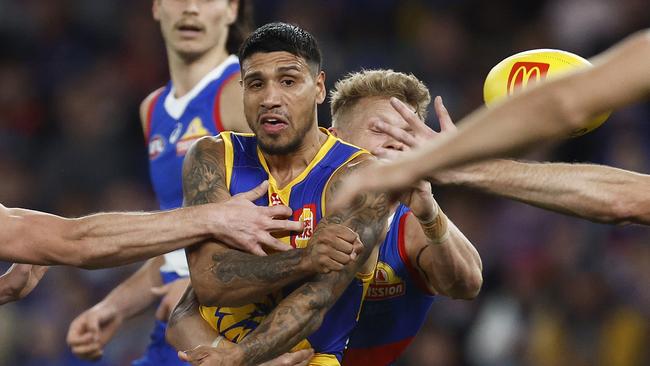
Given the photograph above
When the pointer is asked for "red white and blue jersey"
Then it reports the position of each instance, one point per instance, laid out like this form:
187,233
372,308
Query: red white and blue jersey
173,124
395,307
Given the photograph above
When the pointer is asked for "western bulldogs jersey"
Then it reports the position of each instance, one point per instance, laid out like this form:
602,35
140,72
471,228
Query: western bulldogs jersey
173,124
246,168
395,307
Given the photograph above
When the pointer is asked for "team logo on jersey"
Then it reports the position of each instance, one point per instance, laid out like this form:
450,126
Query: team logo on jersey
307,215
195,131
275,199
235,323
156,146
386,284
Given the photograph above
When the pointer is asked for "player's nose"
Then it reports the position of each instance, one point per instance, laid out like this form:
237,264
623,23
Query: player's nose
191,7
271,99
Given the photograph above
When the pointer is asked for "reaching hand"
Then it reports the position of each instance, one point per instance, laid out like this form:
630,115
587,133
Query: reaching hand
90,331
332,247
170,294
419,132
248,227
19,281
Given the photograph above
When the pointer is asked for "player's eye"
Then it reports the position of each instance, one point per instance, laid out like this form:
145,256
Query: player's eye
287,82
255,84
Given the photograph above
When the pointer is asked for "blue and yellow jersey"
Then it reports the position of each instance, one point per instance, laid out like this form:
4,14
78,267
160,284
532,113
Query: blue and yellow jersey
395,307
246,168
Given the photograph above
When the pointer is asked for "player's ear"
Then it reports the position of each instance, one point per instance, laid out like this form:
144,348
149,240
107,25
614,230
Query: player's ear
320,85
155,9
231,11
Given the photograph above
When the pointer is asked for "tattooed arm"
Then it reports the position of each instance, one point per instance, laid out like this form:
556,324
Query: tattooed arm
227,277
302,312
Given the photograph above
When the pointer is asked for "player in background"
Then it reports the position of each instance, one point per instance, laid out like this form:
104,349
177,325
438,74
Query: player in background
113,239
203,98
423,255
552,110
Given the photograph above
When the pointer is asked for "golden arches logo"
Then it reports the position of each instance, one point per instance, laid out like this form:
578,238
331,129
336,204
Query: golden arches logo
523,73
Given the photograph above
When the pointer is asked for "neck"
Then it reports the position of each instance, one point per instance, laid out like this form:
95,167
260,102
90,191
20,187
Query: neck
187,72
285,168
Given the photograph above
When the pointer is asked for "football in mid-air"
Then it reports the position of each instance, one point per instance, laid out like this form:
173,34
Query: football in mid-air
524,69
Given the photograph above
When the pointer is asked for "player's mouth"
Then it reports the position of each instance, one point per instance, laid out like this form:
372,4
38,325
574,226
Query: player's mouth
273,123
189,29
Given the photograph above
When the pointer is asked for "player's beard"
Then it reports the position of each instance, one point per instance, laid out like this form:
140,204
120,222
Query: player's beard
285,148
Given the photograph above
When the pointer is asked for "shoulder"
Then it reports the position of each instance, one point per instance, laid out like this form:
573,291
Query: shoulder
336,179
146,105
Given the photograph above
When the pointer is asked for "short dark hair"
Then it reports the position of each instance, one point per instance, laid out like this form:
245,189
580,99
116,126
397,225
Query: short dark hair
290,38
241,28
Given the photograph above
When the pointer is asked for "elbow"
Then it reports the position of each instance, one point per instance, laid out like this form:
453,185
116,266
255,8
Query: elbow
572,118
467,288
87,255
208,295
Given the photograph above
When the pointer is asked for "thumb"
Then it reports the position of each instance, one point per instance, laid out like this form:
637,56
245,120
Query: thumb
183,356
161,291
256,192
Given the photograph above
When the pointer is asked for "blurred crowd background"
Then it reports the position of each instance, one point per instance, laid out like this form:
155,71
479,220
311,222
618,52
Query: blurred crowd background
557,290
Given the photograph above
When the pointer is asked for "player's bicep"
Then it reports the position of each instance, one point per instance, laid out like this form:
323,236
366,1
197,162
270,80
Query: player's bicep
204,173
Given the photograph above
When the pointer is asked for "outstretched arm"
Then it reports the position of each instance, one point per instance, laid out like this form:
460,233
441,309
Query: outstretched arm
546,111
594,192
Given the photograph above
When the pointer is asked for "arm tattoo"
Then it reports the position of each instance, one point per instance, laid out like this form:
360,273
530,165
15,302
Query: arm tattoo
239,269
302,312
204,174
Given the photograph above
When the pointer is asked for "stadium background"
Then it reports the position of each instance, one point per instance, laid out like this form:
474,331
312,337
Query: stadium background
557,291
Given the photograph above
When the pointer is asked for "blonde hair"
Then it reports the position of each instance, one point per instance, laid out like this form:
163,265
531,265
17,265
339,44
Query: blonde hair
379,83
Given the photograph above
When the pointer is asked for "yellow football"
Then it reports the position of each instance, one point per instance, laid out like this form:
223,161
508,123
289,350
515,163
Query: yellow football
524,69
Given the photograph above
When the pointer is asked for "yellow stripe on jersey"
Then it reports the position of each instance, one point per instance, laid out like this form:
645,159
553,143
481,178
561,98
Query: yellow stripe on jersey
230,155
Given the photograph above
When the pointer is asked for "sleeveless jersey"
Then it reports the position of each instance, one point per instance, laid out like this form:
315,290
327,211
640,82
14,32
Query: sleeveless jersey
395,307
246,168
173,125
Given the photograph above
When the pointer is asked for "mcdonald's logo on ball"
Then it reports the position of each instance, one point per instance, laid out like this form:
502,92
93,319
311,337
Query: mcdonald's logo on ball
525,69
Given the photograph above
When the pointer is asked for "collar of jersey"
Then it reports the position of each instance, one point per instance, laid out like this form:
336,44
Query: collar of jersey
331,140
176,106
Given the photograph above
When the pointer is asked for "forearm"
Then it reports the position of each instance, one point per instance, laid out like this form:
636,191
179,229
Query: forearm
101,240
449,262
547,111
134,295
228,277
595,192
186,328
296,317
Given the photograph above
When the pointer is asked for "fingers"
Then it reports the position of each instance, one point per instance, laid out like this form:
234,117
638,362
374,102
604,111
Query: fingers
446,123
409,116
285,225
276,244
343,232
278,212
257,250
194,355
396,133
256,192
386,154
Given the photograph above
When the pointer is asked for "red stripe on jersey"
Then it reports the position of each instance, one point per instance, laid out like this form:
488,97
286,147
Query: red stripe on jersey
217,103
375,356
152,105
401,247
